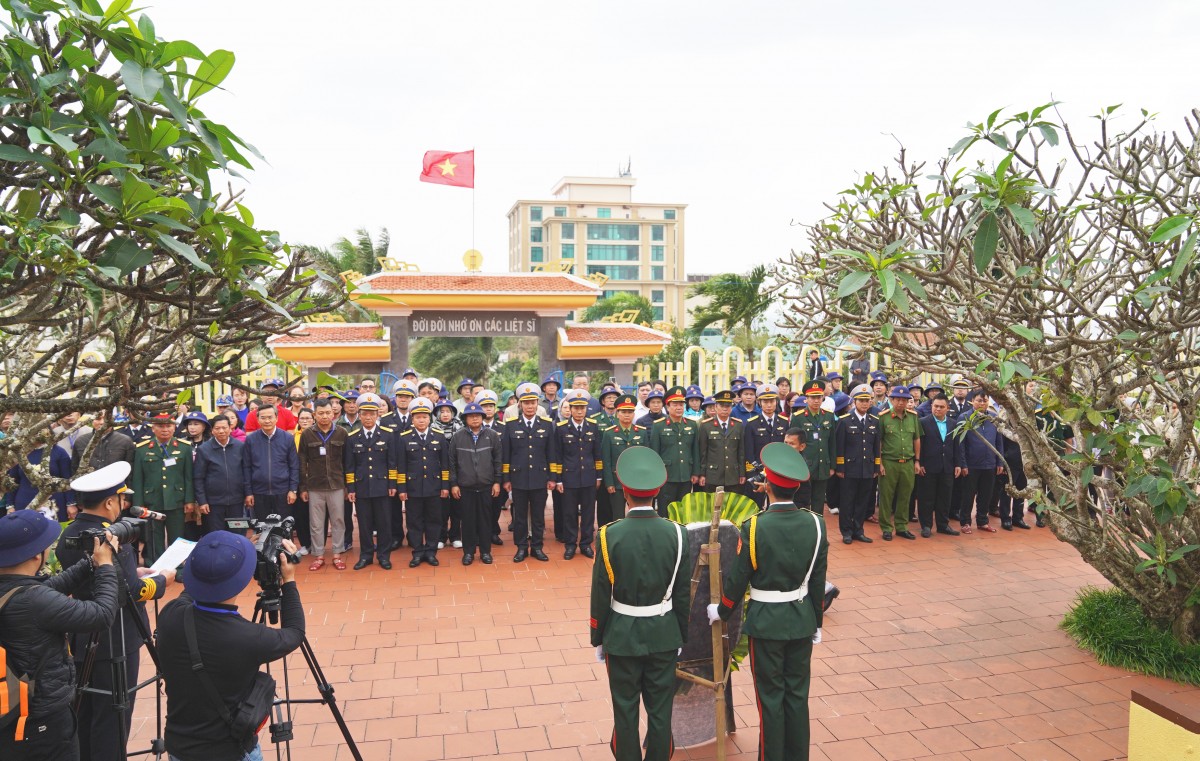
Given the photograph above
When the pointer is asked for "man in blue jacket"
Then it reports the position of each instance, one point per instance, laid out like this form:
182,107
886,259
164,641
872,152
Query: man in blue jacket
217,476
937,469
981,457
270,468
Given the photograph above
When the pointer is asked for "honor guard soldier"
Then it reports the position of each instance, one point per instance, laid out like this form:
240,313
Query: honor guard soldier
116,656
372,470
765,428
162,482
616,440
578,471
676,439
639,609
528,452
722,447
782,559
424,482
817,428
856,447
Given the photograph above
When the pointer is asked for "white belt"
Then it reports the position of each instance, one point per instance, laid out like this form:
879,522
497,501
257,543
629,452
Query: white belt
642,611
770,595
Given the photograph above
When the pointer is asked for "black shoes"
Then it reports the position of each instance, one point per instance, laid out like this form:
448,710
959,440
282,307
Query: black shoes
1041,522
860,536
520,556
416,561
432,560
1006,525
926,532
587,551
569,553
395,544
1021,524
385,564
496,540
539,555
362,563
847,539
486,558
468,559
906,534
887,536
949,531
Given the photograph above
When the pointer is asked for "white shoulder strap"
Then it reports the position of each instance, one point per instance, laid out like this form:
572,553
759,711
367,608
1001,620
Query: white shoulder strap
678,560
816,551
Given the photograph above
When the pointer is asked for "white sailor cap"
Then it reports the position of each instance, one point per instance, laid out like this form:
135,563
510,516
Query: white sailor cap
98,485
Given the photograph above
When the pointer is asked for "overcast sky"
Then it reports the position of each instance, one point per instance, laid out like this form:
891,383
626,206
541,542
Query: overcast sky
752,114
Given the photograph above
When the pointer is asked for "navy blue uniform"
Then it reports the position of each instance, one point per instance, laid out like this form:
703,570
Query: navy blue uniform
757,433
425,475
578,465
856,446
372,469
528,455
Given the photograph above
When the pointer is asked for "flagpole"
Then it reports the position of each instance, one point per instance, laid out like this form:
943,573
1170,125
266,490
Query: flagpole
472,200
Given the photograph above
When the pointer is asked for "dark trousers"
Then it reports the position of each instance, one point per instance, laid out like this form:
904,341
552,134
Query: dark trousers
559,521
498,508
671,491
271,504
819,493
833,493
604,511
49,737
1012,509
397,508
933,499
303,530
781,681
476,507
615,506
579,513
451,520
956,497
99,731
374,517
217,514
424,525
529,517
857,503
160,534
977,492
649,679
802,496
348,507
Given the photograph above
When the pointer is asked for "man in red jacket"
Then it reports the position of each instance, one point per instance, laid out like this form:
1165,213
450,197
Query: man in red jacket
272,391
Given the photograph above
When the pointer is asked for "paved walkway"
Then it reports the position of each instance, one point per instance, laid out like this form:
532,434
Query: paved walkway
943,648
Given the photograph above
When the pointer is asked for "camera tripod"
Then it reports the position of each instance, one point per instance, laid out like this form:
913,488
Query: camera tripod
267,608
120,691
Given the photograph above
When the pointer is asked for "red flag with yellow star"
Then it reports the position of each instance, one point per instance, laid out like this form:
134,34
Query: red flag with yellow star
449,168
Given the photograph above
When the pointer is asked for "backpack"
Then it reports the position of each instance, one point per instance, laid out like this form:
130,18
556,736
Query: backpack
16,691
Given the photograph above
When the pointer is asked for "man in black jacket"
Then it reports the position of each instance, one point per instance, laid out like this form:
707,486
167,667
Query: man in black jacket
937,469
217,476
110,447
475,474
36,617
231,648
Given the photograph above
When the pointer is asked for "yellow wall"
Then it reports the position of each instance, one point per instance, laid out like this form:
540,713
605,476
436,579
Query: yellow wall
1153,738
332,353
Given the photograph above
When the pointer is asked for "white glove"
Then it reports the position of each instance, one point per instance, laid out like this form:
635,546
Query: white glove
599,653
713,615
679,652
817,637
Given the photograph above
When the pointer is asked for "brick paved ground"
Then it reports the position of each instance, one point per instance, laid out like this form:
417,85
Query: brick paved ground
943,648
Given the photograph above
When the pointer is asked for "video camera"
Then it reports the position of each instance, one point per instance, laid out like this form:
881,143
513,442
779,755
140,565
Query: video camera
124,531
755,475
268,544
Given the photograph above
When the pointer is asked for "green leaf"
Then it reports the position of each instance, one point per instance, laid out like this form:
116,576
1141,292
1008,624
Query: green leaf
15,153
962,145
106,193
986,239
50,137
1171,227
1024,218
887,282
115,10
165,134
29,202
184,250
180,49
1127,335
913,285
124,255
1186,252
1049,133
887,331
211,72
1029,334
70,216
142,83
852,283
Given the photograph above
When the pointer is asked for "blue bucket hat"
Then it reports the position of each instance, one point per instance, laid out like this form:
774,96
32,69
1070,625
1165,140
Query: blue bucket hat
220,567
693,392
23,534
841,402
472,409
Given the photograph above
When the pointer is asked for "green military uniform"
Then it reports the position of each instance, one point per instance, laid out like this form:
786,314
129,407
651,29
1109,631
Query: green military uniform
900,434
722,450
678,444
617,440
818,451
782,560
162,481
640,602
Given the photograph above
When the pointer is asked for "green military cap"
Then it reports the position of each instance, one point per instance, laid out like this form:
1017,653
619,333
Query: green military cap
676,394
724,397
626,402
783,466
641,471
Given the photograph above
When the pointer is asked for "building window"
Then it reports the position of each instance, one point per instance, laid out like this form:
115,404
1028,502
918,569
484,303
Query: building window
568,251
535,235
603,213
658,314
615,271
610,294
567,231
535,254
602,252
535,213
658,296
657,232
656,253
668,214
561,211
612,232
656,273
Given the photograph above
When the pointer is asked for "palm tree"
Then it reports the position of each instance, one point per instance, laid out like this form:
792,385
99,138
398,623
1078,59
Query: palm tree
734,303
360,255
620,302
453,358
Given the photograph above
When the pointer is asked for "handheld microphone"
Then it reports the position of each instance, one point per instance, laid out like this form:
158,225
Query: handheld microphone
141,512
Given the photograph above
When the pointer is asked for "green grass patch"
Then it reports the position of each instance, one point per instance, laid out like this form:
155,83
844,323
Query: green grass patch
1109,624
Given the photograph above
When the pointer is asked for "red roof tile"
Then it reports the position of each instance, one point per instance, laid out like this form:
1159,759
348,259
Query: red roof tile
613,333
466,282
333,333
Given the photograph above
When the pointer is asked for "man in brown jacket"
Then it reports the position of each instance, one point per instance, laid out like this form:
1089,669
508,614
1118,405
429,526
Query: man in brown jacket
323,483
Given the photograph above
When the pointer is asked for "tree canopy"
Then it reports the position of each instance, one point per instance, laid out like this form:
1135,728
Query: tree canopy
734,303
621,301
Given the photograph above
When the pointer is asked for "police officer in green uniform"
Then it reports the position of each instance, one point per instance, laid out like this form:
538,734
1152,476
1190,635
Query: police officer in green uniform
676,439
817,427
900,450
617,439
722,447
162,482
639,609
782,560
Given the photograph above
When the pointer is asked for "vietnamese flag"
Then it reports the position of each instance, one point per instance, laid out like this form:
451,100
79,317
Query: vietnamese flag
449,168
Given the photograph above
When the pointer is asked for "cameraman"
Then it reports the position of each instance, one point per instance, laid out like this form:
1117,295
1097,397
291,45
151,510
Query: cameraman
101,735
231,648
34,623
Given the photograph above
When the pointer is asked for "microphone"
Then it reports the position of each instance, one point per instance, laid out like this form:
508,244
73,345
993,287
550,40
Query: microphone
141,512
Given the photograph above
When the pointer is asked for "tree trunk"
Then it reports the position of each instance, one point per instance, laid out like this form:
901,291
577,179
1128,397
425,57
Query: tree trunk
1186,626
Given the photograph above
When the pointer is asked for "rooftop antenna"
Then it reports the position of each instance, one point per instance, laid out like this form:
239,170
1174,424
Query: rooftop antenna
628,170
